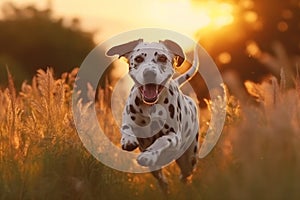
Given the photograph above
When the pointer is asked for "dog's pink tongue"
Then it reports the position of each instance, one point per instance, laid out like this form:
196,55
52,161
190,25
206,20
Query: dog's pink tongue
150,91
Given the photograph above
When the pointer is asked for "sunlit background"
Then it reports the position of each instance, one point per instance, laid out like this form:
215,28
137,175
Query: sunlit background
240,35
112,17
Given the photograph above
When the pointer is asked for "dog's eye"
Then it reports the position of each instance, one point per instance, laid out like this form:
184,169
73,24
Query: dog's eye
162,58
139,59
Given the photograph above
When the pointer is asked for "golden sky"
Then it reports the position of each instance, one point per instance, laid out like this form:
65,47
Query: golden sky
111,17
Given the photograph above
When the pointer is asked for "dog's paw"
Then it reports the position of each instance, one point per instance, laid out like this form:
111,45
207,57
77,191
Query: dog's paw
129,143
147,158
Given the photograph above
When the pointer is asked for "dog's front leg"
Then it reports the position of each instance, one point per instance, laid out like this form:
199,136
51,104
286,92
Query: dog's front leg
151,155
128,140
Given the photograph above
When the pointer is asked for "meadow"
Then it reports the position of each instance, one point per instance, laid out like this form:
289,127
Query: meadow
42,157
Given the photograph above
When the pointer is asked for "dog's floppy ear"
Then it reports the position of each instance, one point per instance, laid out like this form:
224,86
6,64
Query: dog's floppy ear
123,49
176,50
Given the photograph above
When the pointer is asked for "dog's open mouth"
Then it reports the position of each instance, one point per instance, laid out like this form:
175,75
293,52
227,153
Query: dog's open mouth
150,92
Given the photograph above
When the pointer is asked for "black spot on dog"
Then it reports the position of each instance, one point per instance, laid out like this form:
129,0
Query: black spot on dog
176,89
178,103
185,110
141,111
171,110
193,117
125,127
187,76
171,92
145,55
160,112
160,133
143,122
190,103
197,136
180,117
132,110
132,117
137,101
155,54
166,126
166,101
138,50
172,130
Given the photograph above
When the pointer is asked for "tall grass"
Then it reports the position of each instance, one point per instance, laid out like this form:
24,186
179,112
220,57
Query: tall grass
41,156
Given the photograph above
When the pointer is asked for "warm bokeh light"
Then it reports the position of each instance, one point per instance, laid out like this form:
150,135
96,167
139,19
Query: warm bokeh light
247,4
253,49
287,14
224,58
282,26
250,16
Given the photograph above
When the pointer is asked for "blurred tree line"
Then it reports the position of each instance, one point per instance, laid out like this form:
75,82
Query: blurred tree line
31,38
258,27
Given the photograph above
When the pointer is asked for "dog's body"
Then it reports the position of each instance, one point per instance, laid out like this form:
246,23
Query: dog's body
158,118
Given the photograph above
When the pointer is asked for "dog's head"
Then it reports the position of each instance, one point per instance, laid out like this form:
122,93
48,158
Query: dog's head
151,65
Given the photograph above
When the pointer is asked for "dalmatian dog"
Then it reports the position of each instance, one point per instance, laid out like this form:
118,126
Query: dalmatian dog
158,118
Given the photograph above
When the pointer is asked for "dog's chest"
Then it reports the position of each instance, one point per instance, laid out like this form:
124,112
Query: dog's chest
172,113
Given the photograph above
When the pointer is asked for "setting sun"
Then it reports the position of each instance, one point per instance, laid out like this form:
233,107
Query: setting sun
188,17
220,14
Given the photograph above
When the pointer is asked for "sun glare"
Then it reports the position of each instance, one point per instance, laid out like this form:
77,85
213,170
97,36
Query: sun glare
220,14
193,16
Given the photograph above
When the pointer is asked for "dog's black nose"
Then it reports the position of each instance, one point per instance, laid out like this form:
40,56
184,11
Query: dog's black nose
149,75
